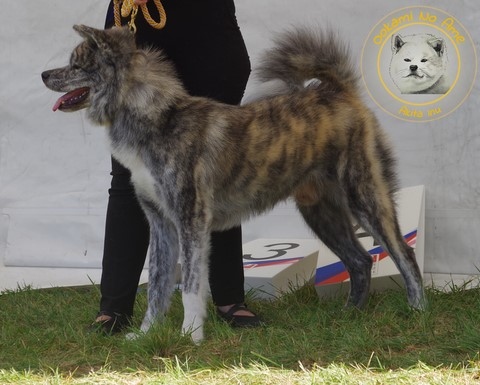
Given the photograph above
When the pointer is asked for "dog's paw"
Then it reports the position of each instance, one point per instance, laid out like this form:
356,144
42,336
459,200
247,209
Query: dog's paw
419,304
197,337
195,334
132,336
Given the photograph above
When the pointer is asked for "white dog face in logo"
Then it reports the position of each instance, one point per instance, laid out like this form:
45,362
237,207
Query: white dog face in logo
418,64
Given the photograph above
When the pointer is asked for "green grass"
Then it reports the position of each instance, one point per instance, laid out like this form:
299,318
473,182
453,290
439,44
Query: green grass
44,339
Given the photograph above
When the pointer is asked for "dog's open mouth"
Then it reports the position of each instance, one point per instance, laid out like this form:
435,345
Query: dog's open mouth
72,100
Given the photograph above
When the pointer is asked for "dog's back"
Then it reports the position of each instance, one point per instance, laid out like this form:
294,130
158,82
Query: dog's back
282,145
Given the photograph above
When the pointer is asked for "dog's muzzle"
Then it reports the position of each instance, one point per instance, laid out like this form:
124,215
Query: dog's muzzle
72,101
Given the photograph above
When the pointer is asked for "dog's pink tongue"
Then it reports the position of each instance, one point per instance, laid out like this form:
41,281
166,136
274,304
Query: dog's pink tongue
59,103
69,97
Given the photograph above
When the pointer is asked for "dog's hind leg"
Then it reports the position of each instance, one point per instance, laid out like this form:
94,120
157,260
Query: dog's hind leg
329,219
370,184
375,211
163,254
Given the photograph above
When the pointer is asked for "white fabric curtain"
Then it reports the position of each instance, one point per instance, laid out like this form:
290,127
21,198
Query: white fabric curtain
54,167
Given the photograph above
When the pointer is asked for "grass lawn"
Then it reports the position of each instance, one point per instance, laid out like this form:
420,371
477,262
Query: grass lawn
44,339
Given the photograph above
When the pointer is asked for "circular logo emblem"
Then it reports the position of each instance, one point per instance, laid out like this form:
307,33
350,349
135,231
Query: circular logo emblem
419,64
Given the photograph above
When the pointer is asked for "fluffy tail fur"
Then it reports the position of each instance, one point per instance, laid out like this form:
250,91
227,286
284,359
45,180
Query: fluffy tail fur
300,55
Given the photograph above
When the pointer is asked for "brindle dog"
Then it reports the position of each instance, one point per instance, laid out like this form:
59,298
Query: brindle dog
198,165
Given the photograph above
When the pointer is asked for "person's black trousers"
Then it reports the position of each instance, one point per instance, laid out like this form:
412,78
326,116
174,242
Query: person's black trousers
204,42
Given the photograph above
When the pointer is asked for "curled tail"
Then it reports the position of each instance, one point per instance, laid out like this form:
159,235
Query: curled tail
300,55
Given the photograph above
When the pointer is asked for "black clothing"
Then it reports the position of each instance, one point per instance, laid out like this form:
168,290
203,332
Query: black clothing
204,42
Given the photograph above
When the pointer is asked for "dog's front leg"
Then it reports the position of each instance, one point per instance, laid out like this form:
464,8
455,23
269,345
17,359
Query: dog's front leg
163,260
194,248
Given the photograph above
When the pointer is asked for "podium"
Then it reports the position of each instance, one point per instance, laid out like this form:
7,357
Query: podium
275,265
331,277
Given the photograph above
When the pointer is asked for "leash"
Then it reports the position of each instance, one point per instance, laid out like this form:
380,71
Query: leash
130,8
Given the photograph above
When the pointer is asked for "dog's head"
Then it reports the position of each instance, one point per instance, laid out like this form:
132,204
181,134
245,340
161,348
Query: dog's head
418,62
93,67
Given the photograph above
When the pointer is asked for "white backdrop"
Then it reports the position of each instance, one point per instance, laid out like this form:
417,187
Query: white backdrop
54,167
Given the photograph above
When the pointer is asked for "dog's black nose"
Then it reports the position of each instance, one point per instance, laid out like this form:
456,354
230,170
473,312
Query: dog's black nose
45,75
413,68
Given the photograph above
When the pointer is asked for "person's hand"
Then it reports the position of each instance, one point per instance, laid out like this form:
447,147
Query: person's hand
140,2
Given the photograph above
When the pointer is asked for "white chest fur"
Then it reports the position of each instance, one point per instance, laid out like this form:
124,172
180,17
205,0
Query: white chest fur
142,178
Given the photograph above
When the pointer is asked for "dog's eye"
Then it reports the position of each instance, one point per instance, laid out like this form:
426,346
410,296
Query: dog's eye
407,60
76,67
423,60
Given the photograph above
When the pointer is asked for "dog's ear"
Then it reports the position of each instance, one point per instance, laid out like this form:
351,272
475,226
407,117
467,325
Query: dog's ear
397,43
438,44
92,34
118,37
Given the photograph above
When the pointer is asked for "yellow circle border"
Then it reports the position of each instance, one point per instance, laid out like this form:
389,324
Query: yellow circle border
474,72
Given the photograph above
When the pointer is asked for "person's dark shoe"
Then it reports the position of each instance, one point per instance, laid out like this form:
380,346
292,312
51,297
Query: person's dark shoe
239,320
110,323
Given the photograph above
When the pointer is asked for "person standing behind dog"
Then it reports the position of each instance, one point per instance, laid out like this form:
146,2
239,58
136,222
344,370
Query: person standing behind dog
203,40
